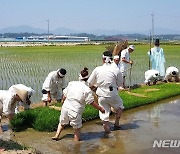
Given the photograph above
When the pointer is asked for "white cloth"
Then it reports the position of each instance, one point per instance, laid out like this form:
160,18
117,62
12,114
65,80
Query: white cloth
123,65
151,75
7,101
169,74
104,77
54,84
22,87
77,94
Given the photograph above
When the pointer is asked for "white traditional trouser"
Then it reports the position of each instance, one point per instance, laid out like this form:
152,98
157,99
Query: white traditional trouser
69,116
107,102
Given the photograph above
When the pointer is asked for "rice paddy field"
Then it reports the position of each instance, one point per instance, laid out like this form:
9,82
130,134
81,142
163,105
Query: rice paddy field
31,65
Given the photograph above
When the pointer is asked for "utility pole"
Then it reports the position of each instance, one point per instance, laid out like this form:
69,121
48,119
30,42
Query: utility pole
48,29
152,15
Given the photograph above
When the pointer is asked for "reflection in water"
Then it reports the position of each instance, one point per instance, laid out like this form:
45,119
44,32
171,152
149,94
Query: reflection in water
139,128
155,114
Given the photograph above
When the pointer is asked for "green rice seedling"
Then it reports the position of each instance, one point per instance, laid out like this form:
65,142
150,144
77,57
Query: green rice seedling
164,91
25,119
90,113
11,145
47,120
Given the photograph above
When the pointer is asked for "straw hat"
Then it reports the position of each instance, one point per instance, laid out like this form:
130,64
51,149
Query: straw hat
21,93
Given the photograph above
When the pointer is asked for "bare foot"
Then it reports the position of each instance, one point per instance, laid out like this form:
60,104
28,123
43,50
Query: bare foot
2,149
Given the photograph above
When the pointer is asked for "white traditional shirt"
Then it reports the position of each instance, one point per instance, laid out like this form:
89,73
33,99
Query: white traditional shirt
151,75
53,83
107,78
77,94
7,101
169,71
22,87
157,59
123,65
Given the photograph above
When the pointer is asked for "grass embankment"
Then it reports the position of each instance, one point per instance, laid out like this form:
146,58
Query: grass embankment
46,119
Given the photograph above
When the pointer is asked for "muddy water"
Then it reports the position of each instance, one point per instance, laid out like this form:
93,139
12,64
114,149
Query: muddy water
140,127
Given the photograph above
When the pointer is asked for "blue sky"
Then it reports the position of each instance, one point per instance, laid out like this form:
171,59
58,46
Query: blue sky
130,15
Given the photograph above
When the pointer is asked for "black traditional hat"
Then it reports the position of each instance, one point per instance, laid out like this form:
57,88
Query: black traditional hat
156,42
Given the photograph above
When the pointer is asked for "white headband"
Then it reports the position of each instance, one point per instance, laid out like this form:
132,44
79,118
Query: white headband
81,78
116,57
59,73
108,59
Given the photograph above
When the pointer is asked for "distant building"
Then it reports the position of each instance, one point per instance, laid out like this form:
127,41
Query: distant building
53,38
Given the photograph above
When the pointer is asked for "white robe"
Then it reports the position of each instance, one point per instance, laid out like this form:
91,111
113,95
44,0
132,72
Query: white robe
157,59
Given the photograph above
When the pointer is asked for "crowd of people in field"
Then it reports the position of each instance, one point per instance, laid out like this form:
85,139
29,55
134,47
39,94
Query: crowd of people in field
104,83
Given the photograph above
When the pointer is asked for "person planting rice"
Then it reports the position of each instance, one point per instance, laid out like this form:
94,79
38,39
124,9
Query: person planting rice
9,98
172,72
116,61
156,55
108,78
151,76
125,60
18,104
75,96
53,86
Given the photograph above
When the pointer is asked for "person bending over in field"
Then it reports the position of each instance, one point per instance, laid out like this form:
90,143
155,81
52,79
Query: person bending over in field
53,86
151,76
75,96
172,74
18,104
9,98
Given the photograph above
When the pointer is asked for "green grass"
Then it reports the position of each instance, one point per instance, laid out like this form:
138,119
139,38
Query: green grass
46,119
165,91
